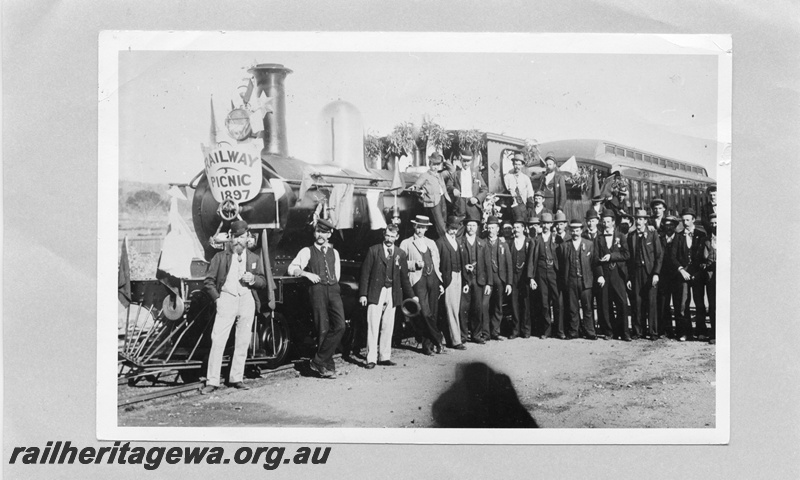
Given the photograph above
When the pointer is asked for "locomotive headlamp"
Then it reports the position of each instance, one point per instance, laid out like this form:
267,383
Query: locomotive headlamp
238,124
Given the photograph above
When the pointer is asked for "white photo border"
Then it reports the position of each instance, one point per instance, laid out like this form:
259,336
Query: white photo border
111,43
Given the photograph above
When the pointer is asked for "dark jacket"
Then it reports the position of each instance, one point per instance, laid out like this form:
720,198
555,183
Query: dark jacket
559,188
373,275
218,273
520,264
540,250
619,256
669,266
479,188
499,267
449,259
589,265
690,259
653,253
482,264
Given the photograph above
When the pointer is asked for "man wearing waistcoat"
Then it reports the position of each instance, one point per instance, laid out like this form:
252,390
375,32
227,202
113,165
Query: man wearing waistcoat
543,272
233,277
467,188
321,265
474,280
426,281
450,266
521,248
669,291
644,267
689,259
578,268
498,277
611,248
535,318
383,284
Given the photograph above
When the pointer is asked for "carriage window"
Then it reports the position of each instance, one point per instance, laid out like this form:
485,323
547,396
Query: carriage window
637,156
619,151
629,153
610,149
645,194
648,159
635,187
670,195
669,164
662,162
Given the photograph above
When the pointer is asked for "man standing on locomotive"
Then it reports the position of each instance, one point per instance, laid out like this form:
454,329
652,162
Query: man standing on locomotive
467,189
321,265
433,190
553,185
233,276
519,186
382,286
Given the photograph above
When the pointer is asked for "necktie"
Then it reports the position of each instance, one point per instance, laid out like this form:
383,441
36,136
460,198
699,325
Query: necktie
390,253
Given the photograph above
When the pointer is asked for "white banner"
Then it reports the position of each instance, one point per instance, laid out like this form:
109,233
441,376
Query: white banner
233,172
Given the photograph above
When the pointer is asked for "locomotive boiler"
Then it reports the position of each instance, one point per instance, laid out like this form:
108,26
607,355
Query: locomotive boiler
280,197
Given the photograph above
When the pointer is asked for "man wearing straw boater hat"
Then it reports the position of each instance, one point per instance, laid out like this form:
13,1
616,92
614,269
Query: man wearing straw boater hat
426,282
450,266
612,253
578,270
644,268
543,274
233,277
474,263
383,284
321,265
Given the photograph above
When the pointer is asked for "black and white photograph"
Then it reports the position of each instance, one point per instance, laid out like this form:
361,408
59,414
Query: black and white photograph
397,235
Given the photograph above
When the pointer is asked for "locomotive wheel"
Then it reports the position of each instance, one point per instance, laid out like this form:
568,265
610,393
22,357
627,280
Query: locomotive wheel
280,336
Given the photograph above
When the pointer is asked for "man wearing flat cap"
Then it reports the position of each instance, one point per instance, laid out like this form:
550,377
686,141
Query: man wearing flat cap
433,192
659,208
320,264
426,282
519,186
618,202
233,277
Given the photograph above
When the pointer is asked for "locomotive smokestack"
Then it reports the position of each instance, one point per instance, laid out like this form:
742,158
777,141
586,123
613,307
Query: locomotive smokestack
269,78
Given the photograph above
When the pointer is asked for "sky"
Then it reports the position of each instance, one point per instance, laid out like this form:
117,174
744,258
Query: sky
665,104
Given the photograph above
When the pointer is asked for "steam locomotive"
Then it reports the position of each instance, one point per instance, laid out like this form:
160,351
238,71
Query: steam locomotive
169,322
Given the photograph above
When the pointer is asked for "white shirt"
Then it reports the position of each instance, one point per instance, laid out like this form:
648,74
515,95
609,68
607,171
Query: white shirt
452,240
521,181
300,262
466,183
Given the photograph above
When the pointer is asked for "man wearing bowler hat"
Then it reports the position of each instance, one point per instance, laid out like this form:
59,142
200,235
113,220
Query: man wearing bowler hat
231,282
543,274
688,259
450,266
474,267
383,284
321,265
578,270
644,268
426,282
560,221
519,186
597,206
618,202
521,249
592,222
534,298
498,278
669,279
611,248
433,190
538,207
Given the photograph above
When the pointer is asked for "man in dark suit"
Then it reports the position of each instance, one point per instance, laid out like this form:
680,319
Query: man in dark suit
710,268
644,267
498,277
467,188
543,272
450,266
688,259
591,233
618,202
577,268
383,284
474,270
231,282
669,279
535,318
611,248
521,249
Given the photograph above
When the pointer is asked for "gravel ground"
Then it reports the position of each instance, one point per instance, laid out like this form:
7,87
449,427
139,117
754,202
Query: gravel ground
515,383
